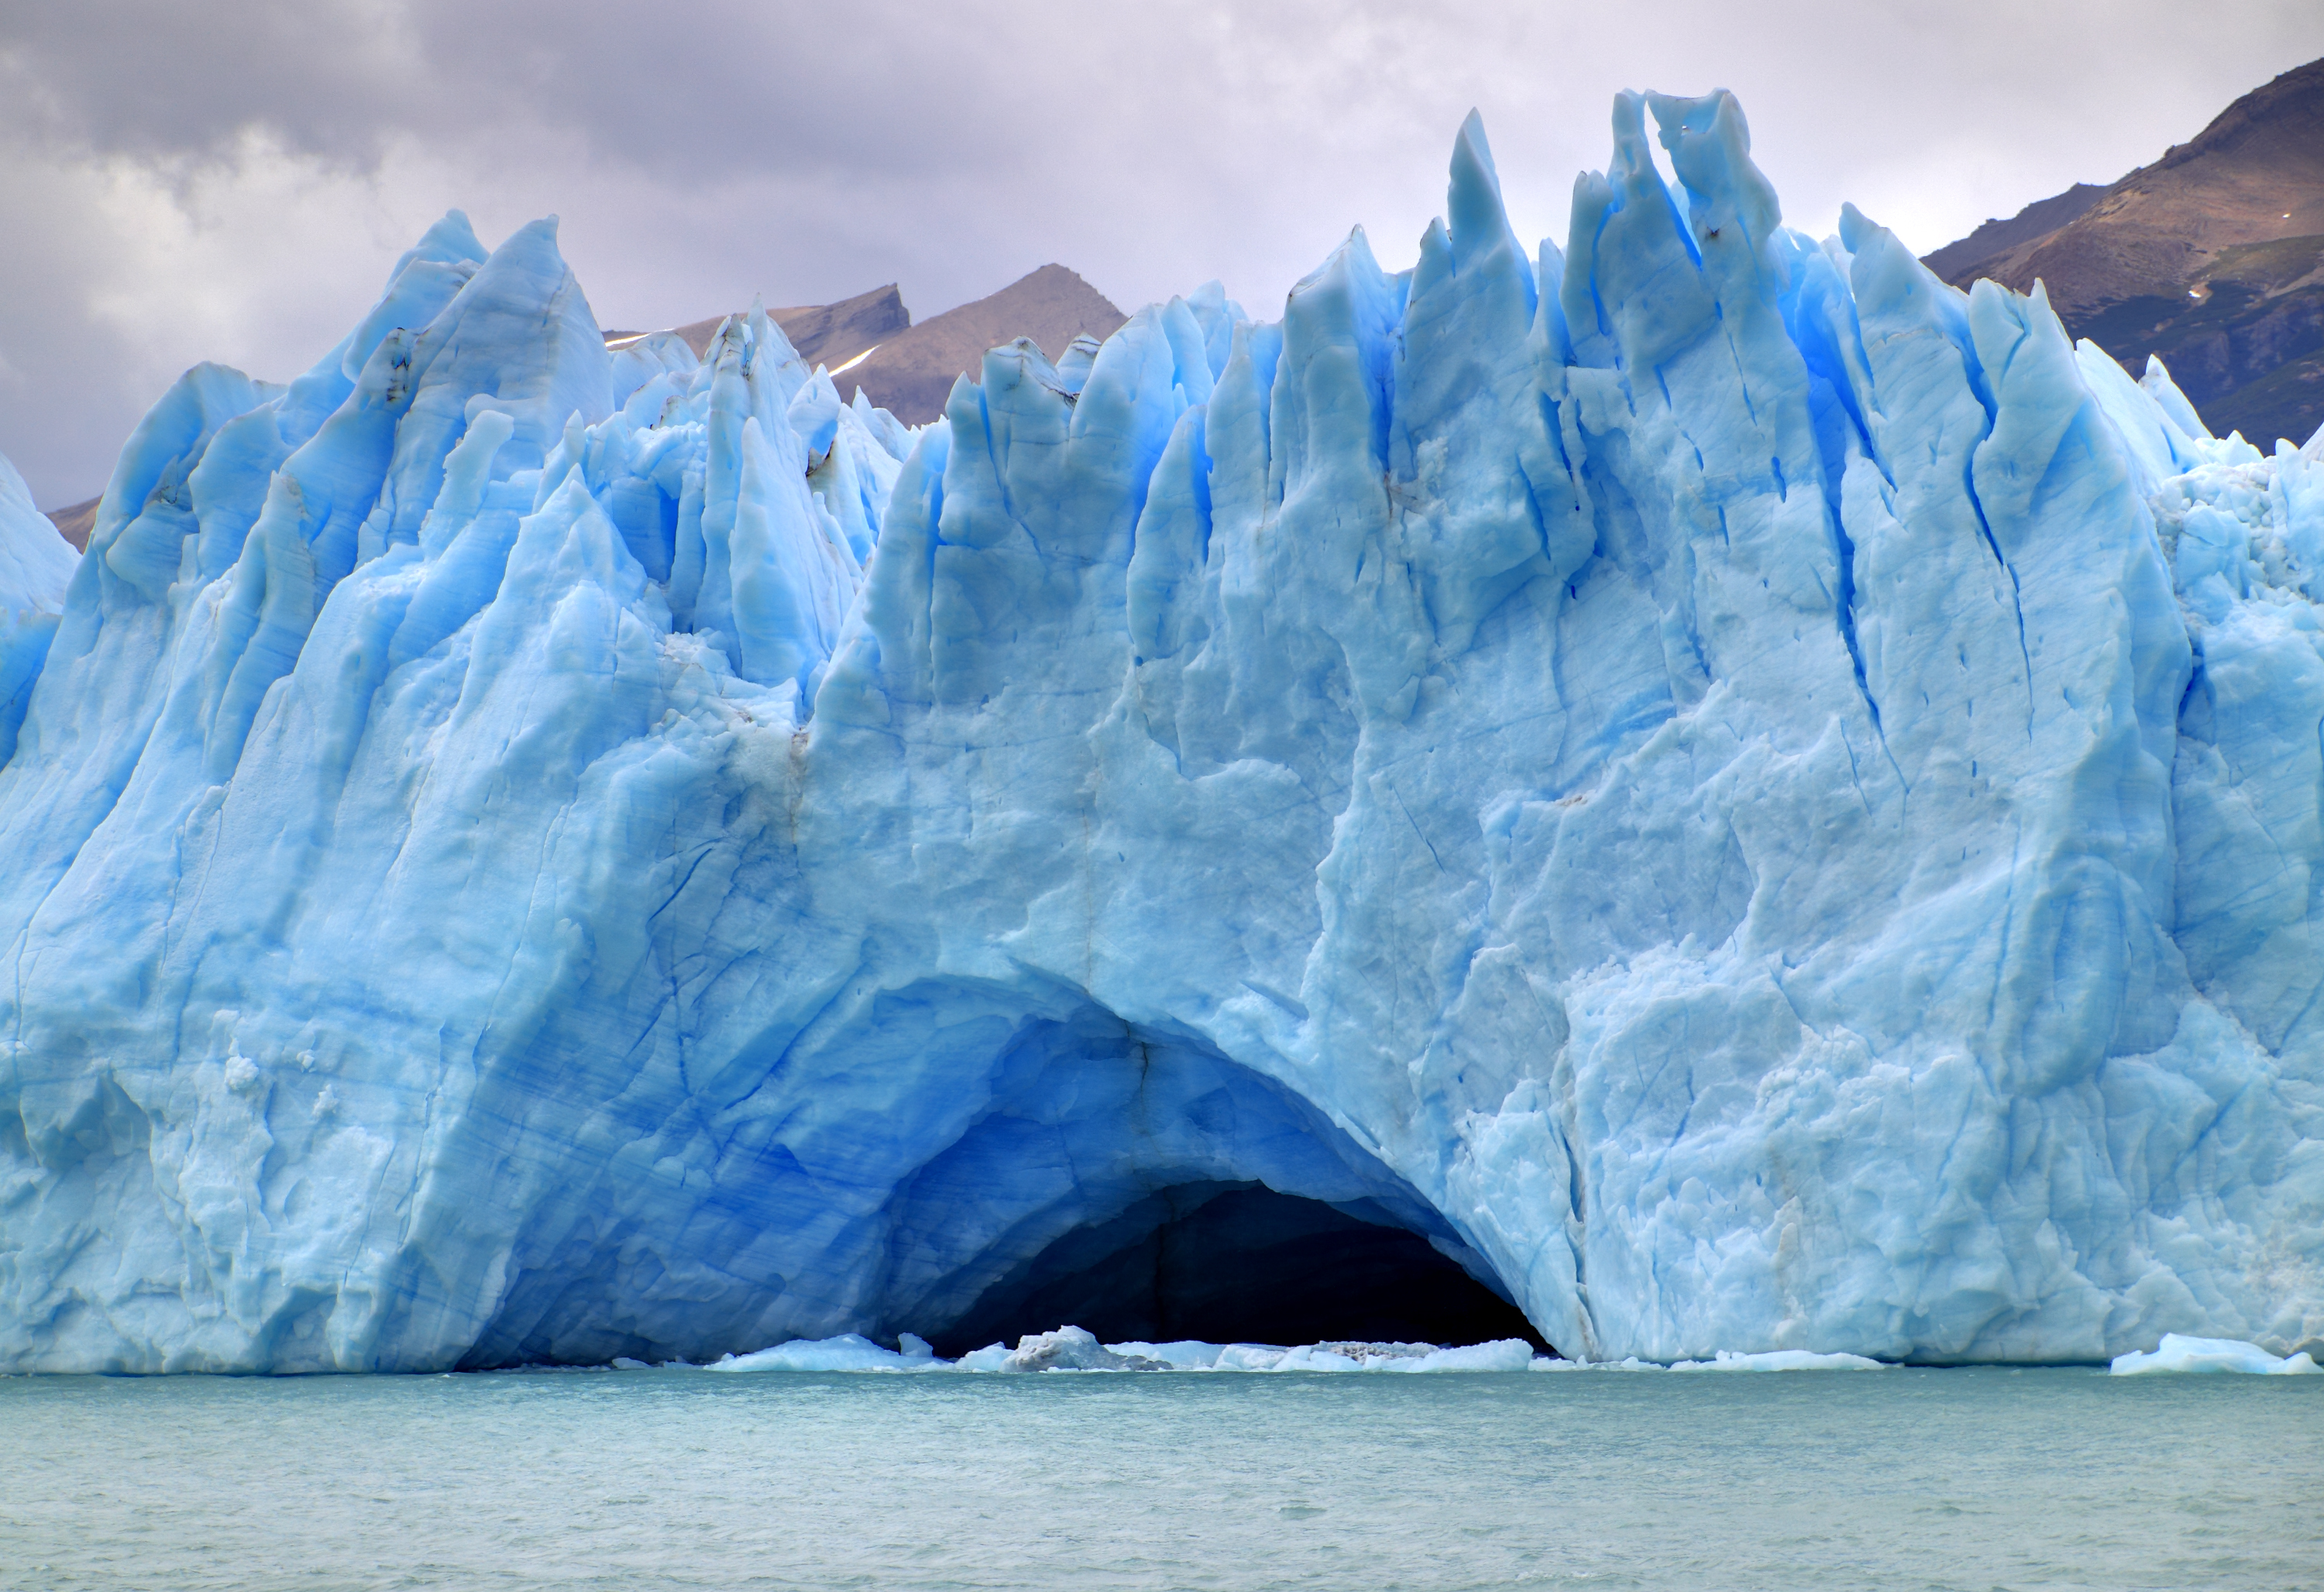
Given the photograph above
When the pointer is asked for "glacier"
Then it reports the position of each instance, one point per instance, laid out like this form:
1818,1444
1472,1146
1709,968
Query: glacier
1756,803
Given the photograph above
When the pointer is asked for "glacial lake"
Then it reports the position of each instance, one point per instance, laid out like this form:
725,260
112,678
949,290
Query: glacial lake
1924,1480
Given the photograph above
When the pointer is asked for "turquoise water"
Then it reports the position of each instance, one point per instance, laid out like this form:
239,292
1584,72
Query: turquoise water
1902,1478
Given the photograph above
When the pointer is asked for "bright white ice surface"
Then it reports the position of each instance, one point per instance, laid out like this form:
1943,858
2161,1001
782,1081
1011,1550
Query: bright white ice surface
1756,799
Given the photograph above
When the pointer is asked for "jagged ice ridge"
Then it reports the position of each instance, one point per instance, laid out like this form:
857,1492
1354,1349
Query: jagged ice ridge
1757,801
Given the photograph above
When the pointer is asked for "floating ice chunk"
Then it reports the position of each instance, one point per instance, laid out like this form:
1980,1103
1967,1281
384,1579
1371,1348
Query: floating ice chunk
1073,1348
1505,1354
1068,1349
1781,1360
1185,1354
849,1351
1348,1357
1249,1357
2177,1352
1511,1354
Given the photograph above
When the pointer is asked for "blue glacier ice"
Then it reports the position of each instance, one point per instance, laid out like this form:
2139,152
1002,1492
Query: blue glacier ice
1758,803
36,565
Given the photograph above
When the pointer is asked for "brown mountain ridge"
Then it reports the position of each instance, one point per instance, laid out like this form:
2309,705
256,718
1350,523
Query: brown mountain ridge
870,343
2212,258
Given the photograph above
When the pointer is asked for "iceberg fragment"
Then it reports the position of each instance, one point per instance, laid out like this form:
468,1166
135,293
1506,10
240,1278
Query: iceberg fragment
1780,1359
1068,1349
2177,1353
1747,799
849,1351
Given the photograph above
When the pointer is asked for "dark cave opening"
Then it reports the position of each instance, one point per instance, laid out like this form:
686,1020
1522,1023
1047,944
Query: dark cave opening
1239,1263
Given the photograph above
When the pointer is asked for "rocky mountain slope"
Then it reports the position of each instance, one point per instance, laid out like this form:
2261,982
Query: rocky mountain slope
910,373
870,343
2212,257
823,334
75,523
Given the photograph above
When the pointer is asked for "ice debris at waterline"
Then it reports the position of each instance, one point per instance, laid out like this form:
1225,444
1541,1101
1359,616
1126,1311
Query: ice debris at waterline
2177,1353
1071,1348
1753,800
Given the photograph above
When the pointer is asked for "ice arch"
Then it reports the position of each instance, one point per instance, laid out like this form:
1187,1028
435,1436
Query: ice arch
1031,1155
1104,1145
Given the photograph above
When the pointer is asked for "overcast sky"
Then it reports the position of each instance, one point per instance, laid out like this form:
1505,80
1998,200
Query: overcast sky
230,180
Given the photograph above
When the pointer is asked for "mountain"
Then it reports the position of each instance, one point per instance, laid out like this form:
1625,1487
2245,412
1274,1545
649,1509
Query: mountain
75,523
2036,222
1741,797
823,334
911,372
2212,258
871,346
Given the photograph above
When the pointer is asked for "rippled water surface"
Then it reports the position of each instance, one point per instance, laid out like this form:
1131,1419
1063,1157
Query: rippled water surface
1899,1478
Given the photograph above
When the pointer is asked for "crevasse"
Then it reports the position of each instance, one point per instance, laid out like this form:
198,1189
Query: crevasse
1758,802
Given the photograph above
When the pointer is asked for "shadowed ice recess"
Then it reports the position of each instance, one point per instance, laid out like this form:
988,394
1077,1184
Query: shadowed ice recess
1704,791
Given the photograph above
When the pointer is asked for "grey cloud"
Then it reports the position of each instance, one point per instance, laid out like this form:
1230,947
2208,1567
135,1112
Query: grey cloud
691,93
700,152
152,80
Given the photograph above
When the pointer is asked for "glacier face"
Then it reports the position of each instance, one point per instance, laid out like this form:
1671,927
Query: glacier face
1758,802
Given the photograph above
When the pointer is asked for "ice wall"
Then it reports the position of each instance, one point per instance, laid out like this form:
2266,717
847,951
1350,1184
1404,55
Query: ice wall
1759,802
